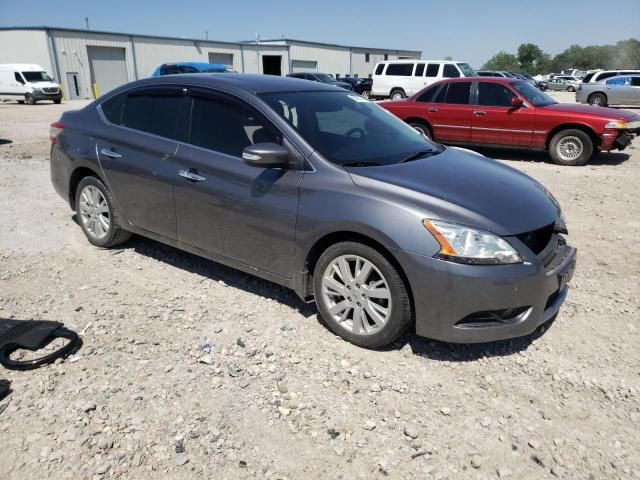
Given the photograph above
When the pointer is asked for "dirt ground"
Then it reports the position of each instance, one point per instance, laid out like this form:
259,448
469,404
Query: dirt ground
192,370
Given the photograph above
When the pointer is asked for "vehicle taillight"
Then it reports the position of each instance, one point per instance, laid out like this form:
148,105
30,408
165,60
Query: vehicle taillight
55,130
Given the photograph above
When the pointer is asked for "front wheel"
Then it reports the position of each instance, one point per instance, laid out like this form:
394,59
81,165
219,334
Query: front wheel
29,99
57,101
571,147
361,296
366,94
96,213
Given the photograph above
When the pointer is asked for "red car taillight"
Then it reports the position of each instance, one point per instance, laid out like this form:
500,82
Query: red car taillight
55,130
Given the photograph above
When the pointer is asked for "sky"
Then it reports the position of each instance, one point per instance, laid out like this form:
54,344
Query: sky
467,30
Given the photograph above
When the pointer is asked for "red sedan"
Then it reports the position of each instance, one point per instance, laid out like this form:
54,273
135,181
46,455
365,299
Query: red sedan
503,112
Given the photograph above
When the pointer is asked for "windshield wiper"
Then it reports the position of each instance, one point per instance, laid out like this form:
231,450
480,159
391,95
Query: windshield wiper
361,164
417,155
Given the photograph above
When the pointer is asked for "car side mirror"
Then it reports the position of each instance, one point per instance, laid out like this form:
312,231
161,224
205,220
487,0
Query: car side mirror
266,155
516,102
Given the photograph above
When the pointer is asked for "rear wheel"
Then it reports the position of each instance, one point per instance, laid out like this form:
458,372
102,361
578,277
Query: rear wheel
97,215
421,127
571,147
366,93
398,94
571,88
361,295
598,99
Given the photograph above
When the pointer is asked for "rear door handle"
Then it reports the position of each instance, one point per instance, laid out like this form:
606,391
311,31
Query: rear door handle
191,175
110,153
479,112
432,109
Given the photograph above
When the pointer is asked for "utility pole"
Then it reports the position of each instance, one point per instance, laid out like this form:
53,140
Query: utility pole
258,51
86,22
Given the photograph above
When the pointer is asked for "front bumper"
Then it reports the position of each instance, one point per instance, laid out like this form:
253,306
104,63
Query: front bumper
617,139
47,96
472,304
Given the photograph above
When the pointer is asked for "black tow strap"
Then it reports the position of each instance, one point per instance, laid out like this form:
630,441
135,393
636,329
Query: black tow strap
33,335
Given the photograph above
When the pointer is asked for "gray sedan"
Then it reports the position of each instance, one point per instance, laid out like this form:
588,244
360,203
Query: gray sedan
317,189
622,90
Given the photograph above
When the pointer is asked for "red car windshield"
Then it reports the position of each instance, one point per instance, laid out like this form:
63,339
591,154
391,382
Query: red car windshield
533,95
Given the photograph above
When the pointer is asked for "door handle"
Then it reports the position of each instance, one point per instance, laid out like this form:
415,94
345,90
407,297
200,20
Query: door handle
432,109
191,175
479,112
110,153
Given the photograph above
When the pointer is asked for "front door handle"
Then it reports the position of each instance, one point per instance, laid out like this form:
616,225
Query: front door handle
191,175
110,153
432,109
479,112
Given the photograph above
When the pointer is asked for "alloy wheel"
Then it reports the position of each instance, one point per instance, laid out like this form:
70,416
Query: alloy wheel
356,295
569,148
94,212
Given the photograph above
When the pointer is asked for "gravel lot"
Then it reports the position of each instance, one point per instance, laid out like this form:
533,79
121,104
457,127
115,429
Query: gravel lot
277,395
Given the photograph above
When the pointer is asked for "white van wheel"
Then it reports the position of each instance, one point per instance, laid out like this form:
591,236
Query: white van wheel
398,94
29,99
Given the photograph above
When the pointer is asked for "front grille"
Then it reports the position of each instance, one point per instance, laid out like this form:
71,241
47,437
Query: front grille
50,90
493,318
537,240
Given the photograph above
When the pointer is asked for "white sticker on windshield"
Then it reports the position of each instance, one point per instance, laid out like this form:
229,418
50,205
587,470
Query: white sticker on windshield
358,98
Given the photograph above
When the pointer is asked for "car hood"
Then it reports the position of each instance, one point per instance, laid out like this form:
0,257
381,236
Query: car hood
600,112
341,84
462,186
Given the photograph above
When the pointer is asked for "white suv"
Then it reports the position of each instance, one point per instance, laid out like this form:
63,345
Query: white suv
402,78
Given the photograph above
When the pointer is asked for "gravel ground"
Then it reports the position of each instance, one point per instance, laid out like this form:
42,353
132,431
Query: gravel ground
192,370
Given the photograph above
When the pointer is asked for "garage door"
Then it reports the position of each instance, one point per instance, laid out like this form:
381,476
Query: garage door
298,66
221,58
108,67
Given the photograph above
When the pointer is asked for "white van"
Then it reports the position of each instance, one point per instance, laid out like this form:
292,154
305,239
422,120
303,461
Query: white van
27,83
402,78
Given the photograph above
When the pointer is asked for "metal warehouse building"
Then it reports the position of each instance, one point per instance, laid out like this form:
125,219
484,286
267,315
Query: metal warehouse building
81,58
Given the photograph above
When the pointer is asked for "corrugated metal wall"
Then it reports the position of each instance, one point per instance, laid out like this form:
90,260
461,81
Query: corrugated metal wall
332,60
26,46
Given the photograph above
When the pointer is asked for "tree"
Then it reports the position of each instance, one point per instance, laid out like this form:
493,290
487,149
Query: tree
502,61
532,59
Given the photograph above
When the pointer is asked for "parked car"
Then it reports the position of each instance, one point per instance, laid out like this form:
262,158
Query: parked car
600,75
362,86
191,67
491,73
398,79
512,113
623,90
28,83
563,83
318,189
322,78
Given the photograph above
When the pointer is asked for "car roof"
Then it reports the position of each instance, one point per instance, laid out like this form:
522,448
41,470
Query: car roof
194,64
253,83
503,80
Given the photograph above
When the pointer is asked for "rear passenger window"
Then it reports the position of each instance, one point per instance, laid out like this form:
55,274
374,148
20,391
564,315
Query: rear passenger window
458,93
635,81
112,108
226,127
432,70
450,71
494,95
400,69
156,113
429,95
379,69
419,70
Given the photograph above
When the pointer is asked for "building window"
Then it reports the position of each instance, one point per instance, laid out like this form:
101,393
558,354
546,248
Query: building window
366,57
386,56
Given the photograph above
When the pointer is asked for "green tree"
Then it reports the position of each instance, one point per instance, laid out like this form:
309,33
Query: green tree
502,61
532,59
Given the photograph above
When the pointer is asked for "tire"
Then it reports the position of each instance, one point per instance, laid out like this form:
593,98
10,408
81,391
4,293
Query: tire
57,101
382,277
421,127
90,205
571,147
598,99
397,94
20,102
571,89
29,99
366,94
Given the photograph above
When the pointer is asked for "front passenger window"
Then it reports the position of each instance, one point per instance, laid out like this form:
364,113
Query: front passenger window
226,128
450,71
494,95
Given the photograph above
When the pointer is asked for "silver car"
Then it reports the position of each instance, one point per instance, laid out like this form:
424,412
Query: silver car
563,83
621,90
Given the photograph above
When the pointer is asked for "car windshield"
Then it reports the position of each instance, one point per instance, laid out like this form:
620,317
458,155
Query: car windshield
467,70
324,78
533,95
37,77
349,130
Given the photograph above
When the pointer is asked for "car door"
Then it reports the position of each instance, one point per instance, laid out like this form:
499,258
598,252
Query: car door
135,150
495,121
616,89
225,206
449,112
432,73
634,91
416,82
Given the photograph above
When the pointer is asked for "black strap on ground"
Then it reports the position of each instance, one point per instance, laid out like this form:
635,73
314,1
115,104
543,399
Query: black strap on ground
33,335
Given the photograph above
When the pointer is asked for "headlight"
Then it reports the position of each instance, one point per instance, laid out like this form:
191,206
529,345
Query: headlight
621,125
467,245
